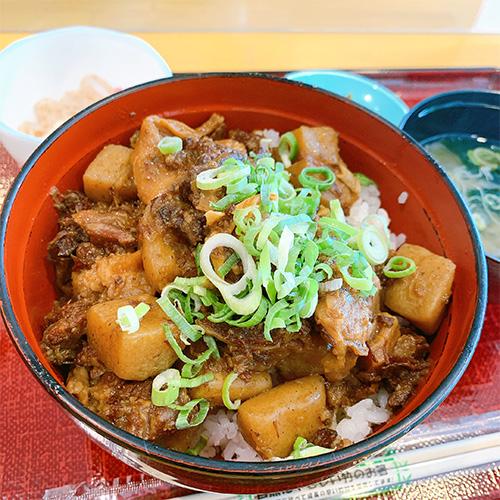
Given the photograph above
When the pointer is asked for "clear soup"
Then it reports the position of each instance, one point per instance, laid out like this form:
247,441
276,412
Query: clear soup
473,163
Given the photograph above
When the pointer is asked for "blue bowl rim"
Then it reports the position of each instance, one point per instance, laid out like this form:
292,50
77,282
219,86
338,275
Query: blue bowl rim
305,466
437,98
385,91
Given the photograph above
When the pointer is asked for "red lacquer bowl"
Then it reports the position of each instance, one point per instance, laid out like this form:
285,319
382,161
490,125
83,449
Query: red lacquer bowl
434,217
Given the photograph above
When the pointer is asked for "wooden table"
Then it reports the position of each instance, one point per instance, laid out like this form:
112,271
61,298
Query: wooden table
200,52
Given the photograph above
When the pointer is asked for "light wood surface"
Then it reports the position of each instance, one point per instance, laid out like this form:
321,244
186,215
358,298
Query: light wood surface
199,52
245,15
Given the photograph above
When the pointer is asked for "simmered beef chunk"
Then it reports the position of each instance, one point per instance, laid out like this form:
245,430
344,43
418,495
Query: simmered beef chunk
411,350
248,350
86,254
179,217
66,241
382,342
407,368
66,325
319,146
166,230
62,249
327,438
349,391
345,320
69,202
125,404
108,227
402,383
155,173
251,140
214,127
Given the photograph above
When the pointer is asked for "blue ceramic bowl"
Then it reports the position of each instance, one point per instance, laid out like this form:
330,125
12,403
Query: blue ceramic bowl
459,112
363,91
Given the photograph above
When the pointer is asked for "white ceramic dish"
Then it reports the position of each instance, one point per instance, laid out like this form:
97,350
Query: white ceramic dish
49,64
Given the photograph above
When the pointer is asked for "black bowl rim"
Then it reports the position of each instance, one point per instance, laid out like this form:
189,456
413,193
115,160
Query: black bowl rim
309,465
437,101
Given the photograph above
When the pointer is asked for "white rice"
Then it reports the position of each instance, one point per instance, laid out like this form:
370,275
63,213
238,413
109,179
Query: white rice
357,425
403,197
224,438
369,203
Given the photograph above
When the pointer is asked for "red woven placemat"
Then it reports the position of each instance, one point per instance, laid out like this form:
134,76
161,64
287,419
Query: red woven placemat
43,452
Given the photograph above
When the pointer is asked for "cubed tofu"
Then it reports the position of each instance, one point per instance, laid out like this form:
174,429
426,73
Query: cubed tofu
242,389
271,421
164,258
110,174
131,356
421,297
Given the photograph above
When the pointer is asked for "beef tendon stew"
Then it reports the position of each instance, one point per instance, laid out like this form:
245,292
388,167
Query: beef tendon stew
238,294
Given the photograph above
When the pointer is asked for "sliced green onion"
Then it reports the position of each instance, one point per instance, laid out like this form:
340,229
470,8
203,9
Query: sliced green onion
198,447
288,148
231,170
245,218
253,319
188,331
364,283
190,371
364,180
190,383
335,224
170,145
310,298
399,267
374,248
240,305
142,309
308,180
337,211
303,449
165,397
230,199
182,421
228,265
128,317
483,157
212,345
178,350
269,323
322,267
226,398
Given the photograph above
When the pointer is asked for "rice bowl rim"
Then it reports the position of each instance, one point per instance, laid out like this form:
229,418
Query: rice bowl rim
154,451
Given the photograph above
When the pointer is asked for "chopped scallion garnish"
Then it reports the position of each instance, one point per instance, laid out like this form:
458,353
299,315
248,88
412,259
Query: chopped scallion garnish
288,148
182,421
303,449
399,267
170,145
364,180
226,387
128,317
308,178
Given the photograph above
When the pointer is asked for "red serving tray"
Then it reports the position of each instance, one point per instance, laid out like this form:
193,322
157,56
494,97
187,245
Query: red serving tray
42,452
